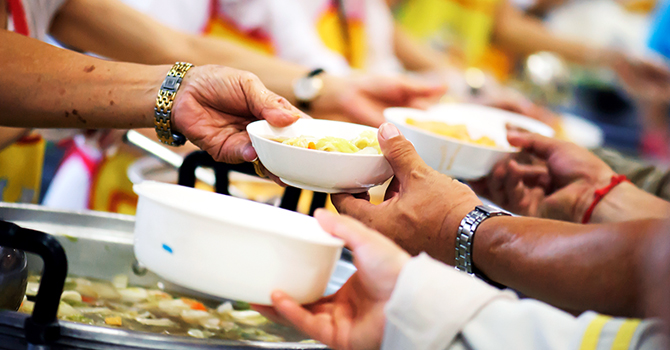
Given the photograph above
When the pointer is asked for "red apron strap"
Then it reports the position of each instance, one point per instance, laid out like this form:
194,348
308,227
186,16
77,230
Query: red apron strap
18,17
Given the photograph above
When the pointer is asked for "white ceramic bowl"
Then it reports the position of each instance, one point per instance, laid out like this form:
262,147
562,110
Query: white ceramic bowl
329,172
456,158
230,247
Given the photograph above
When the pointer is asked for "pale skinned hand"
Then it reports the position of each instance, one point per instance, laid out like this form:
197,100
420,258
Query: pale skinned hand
550,178
353,317
644,79
362,99
214,105
422,208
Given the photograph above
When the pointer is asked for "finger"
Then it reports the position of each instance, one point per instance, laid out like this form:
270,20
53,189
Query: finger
265,104
301,318
271,314
531,175
536,144
496,182
349,205
351,231
236,148
399,152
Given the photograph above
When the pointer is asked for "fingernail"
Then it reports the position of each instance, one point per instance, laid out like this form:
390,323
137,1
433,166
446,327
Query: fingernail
388,131
249,153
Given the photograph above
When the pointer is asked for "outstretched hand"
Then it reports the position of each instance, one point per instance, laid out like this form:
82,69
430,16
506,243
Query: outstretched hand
353,317
215,104
422,208
557,181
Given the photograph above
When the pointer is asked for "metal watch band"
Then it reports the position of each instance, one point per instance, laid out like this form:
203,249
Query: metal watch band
307,105
164,101
466,234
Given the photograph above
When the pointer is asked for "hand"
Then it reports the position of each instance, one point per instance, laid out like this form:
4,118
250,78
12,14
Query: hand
215,104
363,99
352,318
422,208
644,79
558,183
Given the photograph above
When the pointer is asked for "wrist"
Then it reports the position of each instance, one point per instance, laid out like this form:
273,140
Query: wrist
451,223
589,188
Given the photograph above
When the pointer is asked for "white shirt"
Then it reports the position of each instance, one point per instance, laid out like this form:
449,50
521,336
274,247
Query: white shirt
434,306
39,15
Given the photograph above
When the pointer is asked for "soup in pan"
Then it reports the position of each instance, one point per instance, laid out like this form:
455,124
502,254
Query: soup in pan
115,304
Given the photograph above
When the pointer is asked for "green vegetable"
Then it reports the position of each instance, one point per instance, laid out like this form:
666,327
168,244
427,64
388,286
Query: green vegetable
71,238
78,318
240,305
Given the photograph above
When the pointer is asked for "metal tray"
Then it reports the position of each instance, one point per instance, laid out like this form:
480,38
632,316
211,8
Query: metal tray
100,245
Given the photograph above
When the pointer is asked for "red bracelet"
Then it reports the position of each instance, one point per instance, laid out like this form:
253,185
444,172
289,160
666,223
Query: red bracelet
600,193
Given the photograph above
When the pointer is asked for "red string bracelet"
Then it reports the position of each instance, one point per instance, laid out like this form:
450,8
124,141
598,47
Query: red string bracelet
600,193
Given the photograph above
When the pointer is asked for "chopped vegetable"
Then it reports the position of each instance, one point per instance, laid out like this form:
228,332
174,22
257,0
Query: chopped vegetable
212,323
241,305
194,304
193,316
70,295
248,317
161,322
32,288
114,321
65,310
196,333
225,308
120,281
134,294
79,319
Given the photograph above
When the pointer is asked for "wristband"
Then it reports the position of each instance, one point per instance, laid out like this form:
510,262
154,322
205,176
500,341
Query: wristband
164,101
600,193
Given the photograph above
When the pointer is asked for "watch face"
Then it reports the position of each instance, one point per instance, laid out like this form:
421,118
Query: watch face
307,89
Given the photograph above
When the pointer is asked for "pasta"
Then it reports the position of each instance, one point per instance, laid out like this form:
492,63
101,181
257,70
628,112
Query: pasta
454,131
365,143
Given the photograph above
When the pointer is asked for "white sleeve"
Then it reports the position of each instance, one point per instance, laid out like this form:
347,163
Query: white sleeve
436,307
40,14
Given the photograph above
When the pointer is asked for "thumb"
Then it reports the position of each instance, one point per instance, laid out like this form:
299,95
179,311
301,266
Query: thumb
399,152
540,146
265,104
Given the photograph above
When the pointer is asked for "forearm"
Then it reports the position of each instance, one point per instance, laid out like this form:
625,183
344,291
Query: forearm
525,35
50,87
114,30
572,266
415,56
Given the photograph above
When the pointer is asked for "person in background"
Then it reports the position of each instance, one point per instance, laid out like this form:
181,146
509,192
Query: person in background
395,301
569,265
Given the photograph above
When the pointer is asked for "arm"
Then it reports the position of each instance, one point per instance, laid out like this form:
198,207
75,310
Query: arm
93,26
572,266
435,307
524,35
113,29
50,87
43,86
416,56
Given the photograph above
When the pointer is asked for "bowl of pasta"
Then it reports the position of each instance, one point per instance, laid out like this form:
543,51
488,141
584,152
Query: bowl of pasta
462,140
321,155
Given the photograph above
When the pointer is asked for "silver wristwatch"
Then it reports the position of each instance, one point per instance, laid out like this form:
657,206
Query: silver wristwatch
307,89
466,235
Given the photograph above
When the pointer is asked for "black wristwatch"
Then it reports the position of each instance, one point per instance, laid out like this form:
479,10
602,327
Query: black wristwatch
307,89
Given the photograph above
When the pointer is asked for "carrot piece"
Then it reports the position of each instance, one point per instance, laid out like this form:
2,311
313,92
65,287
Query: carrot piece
194,304
87,299
311,145
113,321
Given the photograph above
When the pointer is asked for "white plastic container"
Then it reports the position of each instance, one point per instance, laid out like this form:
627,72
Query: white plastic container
230,247
328,172
456,158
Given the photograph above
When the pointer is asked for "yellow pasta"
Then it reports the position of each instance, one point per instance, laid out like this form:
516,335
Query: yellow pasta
454,131
365,143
